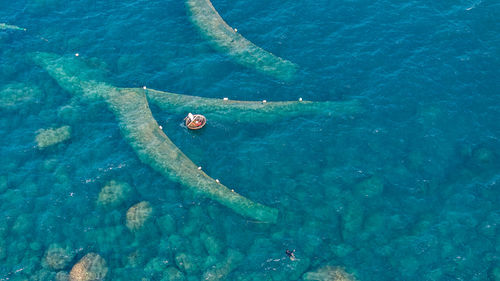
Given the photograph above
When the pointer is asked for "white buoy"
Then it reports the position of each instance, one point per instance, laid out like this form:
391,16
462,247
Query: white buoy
232,190
217,180
144,87
77,54
199,168
235,30
226,99
161,128
300,99
264,101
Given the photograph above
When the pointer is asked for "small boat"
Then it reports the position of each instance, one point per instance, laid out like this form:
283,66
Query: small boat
195,122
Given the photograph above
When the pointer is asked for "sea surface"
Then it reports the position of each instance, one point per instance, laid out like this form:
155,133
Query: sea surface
407,189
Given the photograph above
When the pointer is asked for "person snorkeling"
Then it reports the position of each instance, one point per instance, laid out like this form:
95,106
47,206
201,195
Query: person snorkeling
291,254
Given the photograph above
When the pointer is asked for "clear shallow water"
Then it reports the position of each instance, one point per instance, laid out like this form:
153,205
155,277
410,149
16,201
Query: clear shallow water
426,73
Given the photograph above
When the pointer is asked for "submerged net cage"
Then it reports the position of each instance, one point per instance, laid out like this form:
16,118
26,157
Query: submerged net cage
150,143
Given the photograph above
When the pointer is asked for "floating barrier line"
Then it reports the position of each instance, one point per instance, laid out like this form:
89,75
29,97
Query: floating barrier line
248,111
227,40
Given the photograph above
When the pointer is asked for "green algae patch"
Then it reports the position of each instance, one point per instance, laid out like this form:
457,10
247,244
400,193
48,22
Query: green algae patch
330,273
138,215
92,267
57,257
221,270
113,194
142,132
173,274
51,136
227,40
17,95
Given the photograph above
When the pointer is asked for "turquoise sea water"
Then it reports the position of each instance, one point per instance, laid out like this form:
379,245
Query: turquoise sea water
406,190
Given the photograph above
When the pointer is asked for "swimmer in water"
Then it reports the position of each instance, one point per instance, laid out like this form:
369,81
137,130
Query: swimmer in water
290,254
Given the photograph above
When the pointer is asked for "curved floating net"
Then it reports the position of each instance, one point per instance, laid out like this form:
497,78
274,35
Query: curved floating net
227,40
142,132
247,111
